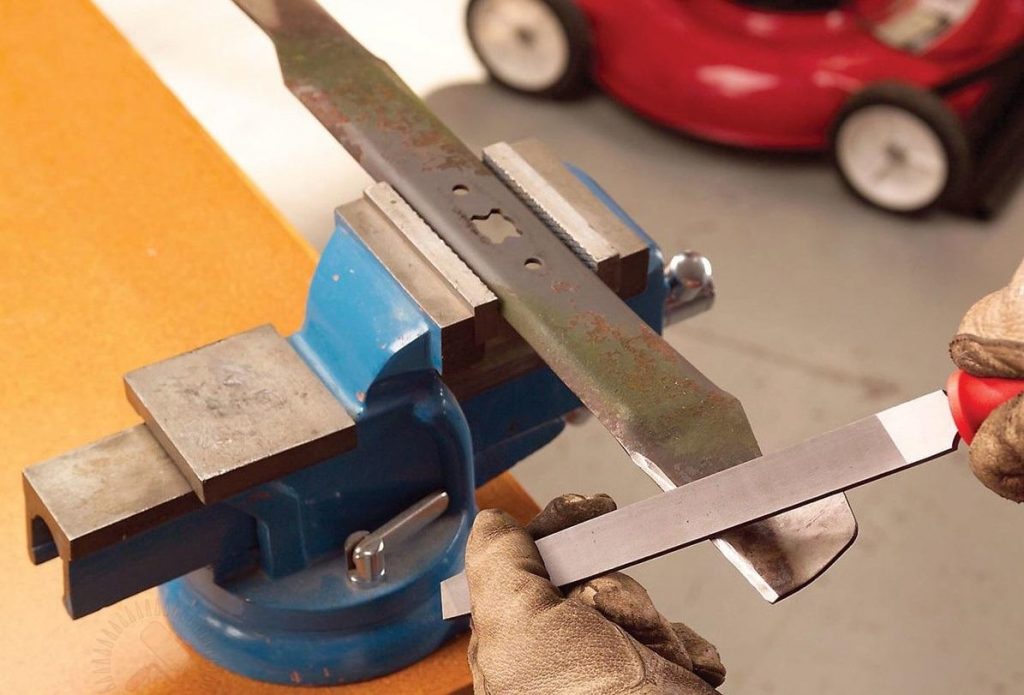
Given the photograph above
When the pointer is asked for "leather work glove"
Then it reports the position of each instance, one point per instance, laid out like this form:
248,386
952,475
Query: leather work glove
601,636
990,343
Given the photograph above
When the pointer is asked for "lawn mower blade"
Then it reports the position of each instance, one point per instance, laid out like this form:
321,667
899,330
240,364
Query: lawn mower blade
672,421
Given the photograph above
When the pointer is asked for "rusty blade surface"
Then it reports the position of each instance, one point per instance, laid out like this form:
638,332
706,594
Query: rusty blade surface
673,422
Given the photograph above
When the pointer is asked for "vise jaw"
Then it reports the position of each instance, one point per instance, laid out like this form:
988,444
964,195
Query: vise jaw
260,455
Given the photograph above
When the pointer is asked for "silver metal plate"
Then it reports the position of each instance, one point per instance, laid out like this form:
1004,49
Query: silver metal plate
581,220
240,412
462,328
100,494
455,273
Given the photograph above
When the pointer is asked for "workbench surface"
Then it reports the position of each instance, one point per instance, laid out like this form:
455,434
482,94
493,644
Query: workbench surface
126,236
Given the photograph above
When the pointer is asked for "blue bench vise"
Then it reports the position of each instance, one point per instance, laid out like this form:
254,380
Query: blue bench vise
300,499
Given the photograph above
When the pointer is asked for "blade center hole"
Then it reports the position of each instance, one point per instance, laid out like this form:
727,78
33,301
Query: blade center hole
495,228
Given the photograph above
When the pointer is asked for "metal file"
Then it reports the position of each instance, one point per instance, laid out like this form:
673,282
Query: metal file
876,446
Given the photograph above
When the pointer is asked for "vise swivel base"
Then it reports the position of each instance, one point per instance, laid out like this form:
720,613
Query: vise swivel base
300,499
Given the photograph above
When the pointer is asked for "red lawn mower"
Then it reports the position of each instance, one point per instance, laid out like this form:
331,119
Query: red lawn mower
921,102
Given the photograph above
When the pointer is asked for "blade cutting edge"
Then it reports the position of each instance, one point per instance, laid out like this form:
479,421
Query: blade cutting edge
876,446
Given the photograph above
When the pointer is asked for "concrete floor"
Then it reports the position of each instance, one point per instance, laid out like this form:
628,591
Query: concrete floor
827,311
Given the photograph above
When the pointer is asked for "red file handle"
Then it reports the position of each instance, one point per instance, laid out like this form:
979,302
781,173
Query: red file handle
972,398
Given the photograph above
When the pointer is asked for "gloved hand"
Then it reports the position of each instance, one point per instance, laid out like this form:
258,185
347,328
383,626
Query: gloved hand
990,342
602,636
